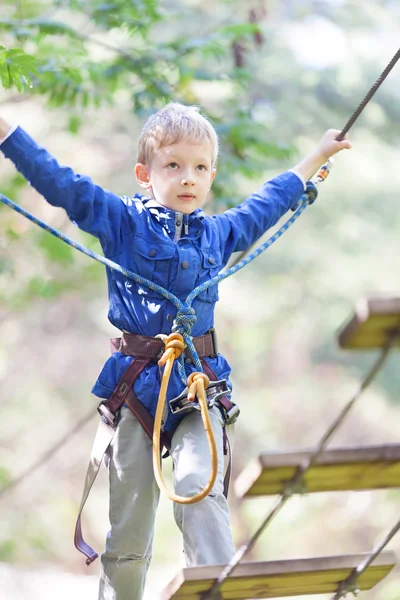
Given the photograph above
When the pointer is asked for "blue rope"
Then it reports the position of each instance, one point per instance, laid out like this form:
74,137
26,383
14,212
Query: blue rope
186,317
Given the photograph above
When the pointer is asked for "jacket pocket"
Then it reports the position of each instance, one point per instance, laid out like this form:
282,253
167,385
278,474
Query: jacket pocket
152,260
210,267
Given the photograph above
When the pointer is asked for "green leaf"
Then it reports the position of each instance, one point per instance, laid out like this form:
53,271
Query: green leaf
74,123
16,68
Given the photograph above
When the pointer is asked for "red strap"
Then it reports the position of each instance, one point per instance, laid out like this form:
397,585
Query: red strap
125,384
140,412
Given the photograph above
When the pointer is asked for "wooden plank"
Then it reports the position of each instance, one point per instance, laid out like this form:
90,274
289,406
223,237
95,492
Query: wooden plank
339,469
371,325
278,579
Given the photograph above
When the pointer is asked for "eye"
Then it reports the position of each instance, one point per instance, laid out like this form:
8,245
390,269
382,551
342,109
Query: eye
202,167
172,165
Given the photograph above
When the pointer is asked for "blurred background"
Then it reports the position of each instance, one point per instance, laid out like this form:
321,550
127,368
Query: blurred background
272,76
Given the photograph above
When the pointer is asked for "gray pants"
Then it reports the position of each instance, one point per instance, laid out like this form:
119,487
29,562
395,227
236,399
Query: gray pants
134,495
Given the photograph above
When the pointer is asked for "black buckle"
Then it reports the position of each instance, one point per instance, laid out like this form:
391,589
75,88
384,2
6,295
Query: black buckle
216,390
214,341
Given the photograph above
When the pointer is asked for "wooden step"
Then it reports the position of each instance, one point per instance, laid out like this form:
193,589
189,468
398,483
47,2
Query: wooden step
339,469
278,579
372,324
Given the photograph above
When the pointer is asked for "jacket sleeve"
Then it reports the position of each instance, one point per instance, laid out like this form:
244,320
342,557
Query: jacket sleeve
93,209
241,226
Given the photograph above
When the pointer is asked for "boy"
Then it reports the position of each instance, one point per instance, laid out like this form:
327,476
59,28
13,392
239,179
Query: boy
165,237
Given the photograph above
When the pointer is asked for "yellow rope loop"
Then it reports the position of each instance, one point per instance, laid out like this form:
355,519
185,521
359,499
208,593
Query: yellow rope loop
197,384
174,346
197,381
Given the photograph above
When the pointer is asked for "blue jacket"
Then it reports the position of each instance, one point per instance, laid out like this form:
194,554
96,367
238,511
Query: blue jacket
173,250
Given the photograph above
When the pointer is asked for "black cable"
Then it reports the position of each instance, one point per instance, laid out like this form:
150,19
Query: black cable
368,96
350,584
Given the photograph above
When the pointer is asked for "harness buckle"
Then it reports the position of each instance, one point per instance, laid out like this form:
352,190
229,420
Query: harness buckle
106,415
214,341
230,415
215,391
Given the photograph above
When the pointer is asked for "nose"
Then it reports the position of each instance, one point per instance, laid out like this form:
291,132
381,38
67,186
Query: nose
188,181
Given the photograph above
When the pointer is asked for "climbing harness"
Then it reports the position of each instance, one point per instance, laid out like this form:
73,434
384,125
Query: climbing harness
145,349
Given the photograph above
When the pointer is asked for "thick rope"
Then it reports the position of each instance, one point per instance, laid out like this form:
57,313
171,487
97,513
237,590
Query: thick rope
350,585
197,384
368,96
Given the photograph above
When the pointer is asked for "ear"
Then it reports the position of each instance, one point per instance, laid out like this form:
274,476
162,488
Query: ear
213,174
142,174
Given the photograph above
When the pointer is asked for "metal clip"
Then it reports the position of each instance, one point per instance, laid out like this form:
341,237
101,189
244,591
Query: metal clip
216,390
214,341
231,415
107,416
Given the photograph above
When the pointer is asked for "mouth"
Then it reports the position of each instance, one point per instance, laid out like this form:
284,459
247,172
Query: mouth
186,196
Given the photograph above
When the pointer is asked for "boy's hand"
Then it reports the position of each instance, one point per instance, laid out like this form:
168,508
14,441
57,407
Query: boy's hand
328,146
4,128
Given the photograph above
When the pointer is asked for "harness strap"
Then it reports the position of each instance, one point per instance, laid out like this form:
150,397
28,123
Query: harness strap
145,419
103,439
148,347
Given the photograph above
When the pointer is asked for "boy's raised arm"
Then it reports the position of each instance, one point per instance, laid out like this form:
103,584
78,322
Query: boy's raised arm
93,209
241,226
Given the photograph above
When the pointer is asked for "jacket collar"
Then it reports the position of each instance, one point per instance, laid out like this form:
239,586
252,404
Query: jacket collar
158,210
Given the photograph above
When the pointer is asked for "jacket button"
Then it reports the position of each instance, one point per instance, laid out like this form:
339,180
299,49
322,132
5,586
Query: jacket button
185,264
211,260
178,223
188,360
170,318
152,252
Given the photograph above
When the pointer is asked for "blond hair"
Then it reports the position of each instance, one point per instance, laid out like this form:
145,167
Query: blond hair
173,124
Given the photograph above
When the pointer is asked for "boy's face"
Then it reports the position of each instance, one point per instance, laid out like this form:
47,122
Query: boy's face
179,175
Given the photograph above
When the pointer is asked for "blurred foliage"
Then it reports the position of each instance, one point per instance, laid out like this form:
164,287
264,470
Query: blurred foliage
143,51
